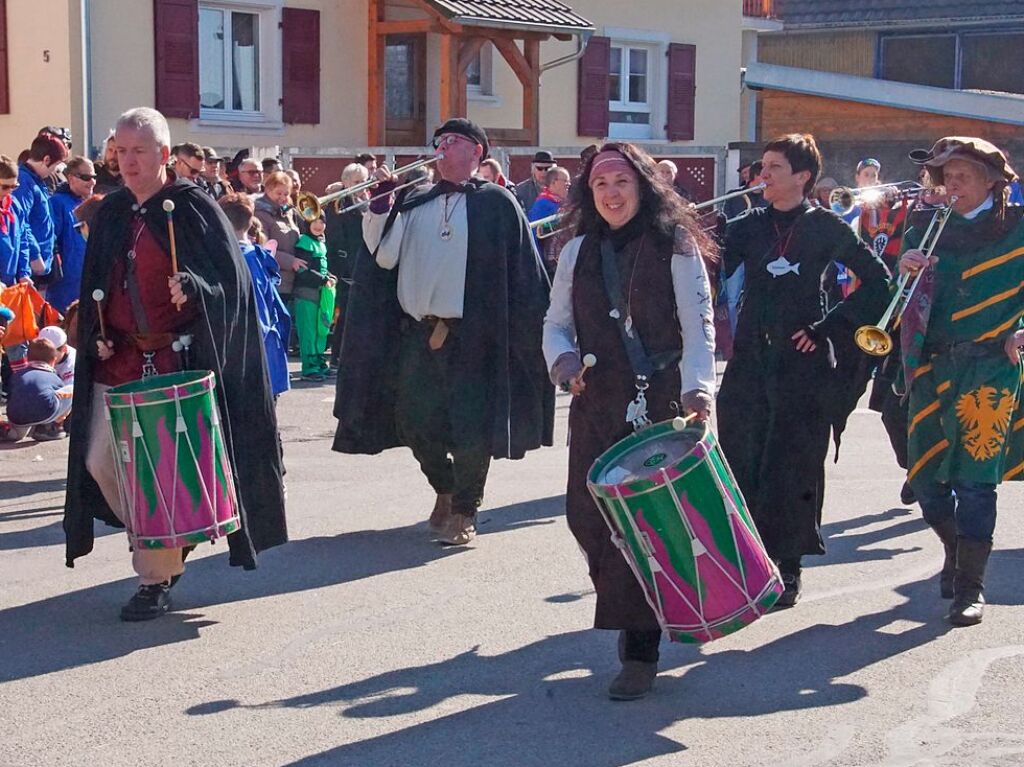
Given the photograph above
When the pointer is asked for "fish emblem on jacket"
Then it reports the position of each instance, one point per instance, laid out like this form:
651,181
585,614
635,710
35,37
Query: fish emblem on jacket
984,418
781,266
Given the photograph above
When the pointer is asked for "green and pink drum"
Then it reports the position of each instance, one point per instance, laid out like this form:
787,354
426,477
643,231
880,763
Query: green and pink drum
173,469
677,514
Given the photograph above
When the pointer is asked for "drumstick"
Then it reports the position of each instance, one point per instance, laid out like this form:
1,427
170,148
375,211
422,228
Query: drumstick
589,360
679,422
168,207
98,296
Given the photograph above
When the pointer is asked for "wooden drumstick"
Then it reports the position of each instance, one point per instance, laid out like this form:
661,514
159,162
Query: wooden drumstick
589,360
168,207
98,296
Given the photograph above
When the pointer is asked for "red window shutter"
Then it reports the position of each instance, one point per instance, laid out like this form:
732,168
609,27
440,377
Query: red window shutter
176,27
682,91
300,55
5,96
592,104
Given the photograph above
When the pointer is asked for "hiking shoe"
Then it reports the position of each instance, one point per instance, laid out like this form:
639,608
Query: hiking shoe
150,601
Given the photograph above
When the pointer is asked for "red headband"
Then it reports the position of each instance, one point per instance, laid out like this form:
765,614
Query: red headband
611,161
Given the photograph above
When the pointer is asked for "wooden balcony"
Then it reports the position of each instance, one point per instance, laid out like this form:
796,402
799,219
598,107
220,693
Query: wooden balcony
760,9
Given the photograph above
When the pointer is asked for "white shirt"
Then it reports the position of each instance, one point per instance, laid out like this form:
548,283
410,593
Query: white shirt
431,271
693,306
988,203
66,367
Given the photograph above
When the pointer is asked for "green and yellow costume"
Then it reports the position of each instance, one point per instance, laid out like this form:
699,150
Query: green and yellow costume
966,418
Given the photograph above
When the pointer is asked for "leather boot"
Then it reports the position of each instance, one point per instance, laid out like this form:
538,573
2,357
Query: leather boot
946,530
968,601
442,511
638,651
634,681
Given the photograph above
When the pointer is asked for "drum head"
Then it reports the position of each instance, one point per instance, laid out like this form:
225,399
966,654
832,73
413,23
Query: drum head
647,457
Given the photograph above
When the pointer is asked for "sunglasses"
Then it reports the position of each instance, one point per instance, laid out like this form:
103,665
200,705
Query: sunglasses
192,171
85,176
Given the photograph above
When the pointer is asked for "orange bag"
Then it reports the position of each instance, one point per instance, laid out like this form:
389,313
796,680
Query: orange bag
31,312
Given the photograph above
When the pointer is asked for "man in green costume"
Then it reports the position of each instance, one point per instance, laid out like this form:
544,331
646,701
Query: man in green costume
962,340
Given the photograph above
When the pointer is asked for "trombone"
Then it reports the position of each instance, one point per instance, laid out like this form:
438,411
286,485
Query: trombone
310,207
876,339
844,199
548,221
738,193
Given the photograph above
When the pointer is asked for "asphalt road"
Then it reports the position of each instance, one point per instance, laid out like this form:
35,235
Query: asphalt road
362,643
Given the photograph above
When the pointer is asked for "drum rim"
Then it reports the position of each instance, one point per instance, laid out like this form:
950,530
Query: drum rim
198,376
656,430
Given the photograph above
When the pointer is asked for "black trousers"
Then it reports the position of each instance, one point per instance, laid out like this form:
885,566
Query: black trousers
443,419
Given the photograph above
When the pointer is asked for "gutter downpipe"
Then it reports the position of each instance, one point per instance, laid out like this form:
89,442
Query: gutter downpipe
87,76
581,43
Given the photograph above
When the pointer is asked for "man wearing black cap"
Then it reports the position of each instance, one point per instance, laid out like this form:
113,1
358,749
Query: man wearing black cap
210,181
442,343
529,190
962,339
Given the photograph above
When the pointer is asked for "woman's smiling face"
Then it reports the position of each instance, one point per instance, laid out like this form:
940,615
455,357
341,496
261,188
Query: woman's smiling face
616,196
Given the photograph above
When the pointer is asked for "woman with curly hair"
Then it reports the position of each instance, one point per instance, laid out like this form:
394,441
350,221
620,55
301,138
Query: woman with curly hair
628,220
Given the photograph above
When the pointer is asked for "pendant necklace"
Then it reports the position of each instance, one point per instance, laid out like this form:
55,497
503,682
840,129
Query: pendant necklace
446,227
628,324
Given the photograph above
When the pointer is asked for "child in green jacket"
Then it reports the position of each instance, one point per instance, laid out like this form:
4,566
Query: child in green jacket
314,301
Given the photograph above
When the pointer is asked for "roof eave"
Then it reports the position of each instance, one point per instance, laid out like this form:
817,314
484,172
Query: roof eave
518,26
867,90
876,26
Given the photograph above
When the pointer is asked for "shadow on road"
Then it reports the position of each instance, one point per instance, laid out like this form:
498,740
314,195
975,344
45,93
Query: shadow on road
553,711
82,627
846,545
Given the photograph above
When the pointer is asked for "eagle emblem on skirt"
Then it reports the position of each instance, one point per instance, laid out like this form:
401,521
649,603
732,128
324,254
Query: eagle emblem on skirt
984,416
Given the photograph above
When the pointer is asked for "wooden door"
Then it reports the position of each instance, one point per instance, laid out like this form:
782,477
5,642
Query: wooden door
405,90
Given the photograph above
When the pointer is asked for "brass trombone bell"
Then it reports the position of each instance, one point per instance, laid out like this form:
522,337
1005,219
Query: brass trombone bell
844,199
876,339
311,207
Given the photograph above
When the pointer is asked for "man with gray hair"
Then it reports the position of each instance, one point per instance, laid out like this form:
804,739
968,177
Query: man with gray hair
158,320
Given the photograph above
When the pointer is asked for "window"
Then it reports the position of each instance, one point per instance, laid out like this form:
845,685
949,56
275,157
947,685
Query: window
479,79
229,60
923,60
978,61
629,92
992,62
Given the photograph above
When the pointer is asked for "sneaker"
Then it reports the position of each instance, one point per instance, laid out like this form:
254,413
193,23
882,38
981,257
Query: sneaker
315,377
48,432
459,531
791,592
150,601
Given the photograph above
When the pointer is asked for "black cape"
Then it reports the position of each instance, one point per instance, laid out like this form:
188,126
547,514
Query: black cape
226,340
503,316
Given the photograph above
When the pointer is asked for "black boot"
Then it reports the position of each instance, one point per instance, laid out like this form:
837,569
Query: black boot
638,651
968,601
150,601
946,531
907,495
790,570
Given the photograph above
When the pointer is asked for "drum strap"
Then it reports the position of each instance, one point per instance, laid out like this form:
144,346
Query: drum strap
644,365
138,310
